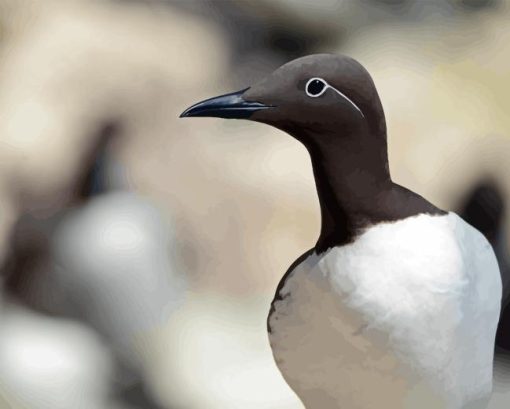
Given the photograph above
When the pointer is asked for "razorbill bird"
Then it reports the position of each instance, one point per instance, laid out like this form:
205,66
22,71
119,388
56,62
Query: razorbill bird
397,304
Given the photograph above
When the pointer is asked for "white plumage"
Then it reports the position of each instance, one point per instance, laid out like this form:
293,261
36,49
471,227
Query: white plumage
404,317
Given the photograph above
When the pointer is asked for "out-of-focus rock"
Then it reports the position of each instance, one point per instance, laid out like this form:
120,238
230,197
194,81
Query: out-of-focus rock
218,348
48,363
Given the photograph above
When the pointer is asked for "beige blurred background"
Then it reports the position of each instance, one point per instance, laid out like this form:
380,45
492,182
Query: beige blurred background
140,251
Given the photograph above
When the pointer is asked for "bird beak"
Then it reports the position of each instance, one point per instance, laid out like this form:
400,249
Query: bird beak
225,106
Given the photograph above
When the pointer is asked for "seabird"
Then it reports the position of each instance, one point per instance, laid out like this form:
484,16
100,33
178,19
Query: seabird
397,304
484,208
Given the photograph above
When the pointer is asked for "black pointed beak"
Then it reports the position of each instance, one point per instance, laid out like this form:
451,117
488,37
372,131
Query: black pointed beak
225,106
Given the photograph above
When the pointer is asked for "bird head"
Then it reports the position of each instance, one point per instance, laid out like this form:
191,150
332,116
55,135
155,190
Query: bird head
320,94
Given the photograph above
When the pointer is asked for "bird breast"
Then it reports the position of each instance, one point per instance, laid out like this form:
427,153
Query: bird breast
404,317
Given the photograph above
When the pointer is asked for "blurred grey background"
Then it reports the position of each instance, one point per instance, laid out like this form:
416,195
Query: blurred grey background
140,252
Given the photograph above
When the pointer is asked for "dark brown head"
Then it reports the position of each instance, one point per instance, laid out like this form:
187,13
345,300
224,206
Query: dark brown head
322,94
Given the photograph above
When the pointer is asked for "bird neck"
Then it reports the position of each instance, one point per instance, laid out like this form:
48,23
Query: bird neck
352,178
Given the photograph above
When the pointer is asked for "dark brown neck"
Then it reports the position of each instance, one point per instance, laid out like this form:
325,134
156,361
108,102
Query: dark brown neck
354,186
351,173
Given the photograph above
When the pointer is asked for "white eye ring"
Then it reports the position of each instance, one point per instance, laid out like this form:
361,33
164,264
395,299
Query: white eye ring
322,91
325,88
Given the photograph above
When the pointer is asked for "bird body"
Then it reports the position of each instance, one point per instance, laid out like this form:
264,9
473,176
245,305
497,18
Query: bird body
352,327
396,306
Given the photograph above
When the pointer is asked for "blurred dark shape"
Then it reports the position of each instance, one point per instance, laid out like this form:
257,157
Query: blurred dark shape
95,178
30,245
484,208
478,4
289,42
136,395
254,32
263,35
392,2
503,334
47,269
467,4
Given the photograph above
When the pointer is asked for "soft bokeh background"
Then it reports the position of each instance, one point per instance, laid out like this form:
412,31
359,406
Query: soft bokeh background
140,252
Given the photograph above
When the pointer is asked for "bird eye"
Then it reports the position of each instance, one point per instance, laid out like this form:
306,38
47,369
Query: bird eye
315,87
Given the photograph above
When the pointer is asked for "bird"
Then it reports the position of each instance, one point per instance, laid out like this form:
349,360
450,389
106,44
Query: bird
397,304
92,264
484,208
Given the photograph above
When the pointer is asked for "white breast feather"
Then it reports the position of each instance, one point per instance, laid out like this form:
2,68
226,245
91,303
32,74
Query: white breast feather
408,312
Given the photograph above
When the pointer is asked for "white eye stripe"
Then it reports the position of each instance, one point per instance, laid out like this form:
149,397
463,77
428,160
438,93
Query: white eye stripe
326,86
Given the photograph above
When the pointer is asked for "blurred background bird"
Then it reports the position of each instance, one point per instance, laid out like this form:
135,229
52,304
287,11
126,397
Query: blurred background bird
135,266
